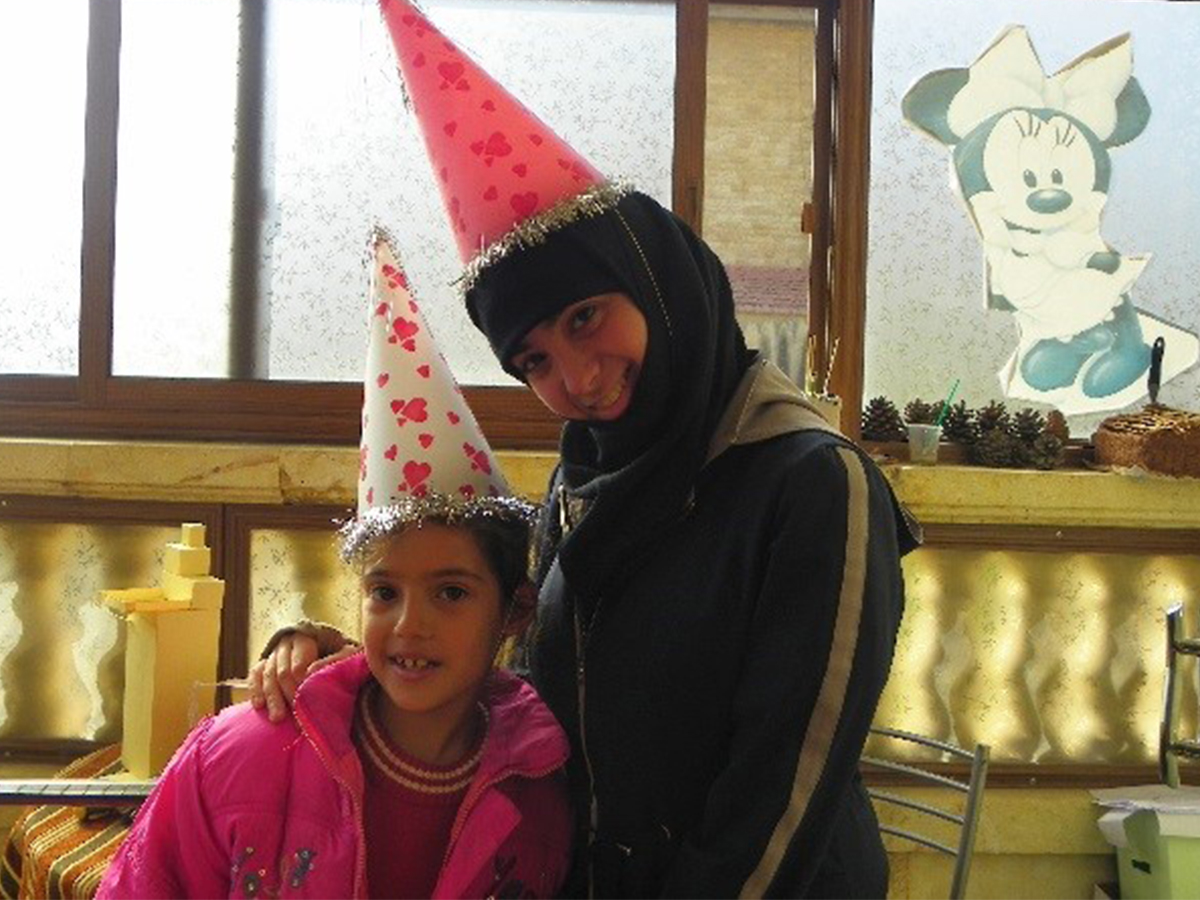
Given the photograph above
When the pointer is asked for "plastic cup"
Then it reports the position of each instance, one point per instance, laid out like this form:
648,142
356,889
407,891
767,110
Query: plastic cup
923,443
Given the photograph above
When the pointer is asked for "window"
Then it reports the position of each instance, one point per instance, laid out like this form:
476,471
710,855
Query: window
212,222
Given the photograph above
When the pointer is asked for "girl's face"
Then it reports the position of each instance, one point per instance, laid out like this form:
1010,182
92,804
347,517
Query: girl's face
432,622
584,363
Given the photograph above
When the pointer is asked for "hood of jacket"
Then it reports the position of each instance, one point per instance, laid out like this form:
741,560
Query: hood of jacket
765,404
768,404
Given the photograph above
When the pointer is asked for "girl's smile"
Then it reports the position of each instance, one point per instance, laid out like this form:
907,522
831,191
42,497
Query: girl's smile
584,363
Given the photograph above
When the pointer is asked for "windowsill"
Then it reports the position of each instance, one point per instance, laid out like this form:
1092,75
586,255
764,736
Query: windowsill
956,494
209,473
314,474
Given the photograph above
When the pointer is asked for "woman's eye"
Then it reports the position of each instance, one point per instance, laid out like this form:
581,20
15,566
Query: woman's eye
452,593
583,316
529,363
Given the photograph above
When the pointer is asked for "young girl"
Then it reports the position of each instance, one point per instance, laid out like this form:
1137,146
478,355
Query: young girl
413,768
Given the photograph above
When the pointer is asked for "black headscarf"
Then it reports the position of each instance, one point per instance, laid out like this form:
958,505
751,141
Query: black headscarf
634,475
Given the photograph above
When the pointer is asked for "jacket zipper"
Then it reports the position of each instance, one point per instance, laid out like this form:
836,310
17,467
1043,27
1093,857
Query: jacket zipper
581,641
360,867
472,799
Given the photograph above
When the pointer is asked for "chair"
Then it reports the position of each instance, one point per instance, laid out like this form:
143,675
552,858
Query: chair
967,821
1170,749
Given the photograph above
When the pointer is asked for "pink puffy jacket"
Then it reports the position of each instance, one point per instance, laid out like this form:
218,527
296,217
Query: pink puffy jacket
251,809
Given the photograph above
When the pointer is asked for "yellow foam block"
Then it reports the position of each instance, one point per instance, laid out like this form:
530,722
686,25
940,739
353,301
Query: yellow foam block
137,600
199,593
193,535
181,559
166,655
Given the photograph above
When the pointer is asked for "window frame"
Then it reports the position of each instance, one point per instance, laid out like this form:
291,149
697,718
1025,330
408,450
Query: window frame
99,405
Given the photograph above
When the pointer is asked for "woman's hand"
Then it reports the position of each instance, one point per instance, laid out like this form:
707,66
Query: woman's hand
273,680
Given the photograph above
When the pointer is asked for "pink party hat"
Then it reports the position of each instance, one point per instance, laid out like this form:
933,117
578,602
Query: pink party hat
419,437
506,178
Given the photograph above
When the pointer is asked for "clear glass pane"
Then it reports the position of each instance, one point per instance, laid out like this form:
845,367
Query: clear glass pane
346,154
174,187
758,169
930,256
43,82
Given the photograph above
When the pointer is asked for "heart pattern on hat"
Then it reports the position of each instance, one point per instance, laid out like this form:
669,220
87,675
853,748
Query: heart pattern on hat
412,405
479,136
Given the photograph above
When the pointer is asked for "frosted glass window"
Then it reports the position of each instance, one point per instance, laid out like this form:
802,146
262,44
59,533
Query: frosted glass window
42,98
298,575
175,187
347,155
926,318
62,654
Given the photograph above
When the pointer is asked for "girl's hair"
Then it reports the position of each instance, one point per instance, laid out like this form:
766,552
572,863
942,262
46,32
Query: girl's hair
501,527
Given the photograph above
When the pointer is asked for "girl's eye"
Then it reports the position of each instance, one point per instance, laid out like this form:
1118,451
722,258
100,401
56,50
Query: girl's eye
452,593
381,593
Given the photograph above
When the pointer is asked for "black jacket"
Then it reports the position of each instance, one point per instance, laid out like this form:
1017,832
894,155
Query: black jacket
776,599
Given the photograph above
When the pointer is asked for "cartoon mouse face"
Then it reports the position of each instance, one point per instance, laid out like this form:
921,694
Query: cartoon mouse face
1045,168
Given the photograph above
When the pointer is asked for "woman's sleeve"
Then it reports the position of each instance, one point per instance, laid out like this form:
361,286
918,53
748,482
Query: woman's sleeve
171,851
819,653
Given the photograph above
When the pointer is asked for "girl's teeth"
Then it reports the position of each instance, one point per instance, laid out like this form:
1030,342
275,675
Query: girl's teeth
412,663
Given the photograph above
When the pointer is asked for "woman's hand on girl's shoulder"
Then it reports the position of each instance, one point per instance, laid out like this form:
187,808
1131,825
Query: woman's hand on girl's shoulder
275,678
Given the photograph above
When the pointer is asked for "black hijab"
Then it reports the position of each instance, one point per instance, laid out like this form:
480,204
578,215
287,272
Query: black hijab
634,476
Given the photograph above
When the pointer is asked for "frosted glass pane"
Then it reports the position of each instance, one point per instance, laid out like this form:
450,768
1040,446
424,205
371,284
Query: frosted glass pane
347,155
926,271
174,187
43,63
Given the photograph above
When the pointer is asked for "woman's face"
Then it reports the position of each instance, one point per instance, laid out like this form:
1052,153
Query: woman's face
584,363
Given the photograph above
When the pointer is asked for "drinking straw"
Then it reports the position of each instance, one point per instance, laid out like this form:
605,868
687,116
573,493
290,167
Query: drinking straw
946,403
829,367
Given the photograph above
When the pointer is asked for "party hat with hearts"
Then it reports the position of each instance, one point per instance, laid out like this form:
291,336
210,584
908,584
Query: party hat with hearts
422,454
506,178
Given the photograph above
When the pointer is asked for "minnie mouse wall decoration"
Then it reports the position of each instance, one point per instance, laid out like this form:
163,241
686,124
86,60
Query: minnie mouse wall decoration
1031,158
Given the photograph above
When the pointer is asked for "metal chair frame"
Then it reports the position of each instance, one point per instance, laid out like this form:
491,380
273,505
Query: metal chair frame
1170,748
968,820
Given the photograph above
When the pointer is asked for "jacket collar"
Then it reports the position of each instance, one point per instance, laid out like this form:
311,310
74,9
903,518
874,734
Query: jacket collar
766,404
523,736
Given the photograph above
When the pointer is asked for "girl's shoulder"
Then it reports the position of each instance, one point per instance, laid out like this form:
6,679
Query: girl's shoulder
241,752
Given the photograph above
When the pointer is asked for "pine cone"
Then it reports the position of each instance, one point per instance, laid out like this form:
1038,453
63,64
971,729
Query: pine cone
959,424
881,421
997,448
1027,425
1056,424
992,417
918,412
1046,451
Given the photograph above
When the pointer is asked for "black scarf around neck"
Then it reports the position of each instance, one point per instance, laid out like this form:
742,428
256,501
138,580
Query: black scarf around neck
634,477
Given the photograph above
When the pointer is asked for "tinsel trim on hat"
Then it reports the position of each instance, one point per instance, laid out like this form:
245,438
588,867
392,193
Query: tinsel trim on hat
594,201
360,533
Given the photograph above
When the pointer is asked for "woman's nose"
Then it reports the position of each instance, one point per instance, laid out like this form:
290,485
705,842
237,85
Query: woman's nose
580,371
